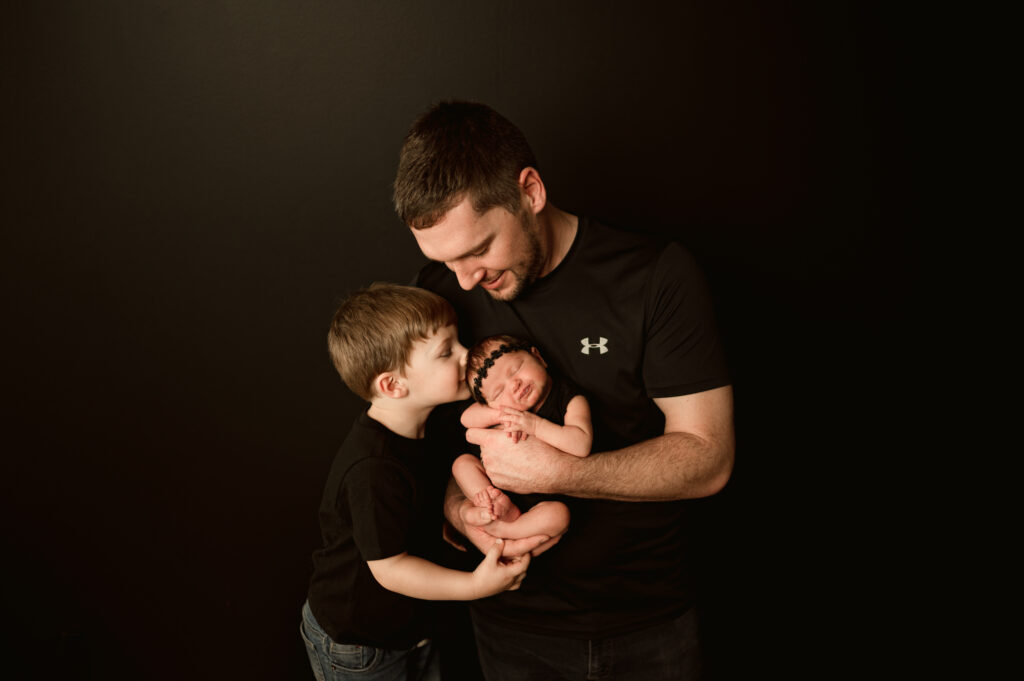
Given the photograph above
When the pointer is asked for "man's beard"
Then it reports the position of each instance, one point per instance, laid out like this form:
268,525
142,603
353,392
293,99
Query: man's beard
529,268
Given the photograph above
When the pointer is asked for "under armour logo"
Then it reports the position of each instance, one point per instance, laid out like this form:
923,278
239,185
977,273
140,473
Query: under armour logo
601,345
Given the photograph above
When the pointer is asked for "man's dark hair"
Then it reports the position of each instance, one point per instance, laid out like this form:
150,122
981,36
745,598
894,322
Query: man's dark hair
456,150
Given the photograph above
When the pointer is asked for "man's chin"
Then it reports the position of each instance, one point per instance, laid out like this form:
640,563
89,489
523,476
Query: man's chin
503,296
510,291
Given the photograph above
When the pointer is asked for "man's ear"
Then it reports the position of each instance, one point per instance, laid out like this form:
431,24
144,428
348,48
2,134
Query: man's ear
533,191
389,384
536,353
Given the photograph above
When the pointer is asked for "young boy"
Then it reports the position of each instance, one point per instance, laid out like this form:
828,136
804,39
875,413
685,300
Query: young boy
395,346
513,389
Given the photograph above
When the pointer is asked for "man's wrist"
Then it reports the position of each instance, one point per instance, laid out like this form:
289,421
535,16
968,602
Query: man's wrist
566,474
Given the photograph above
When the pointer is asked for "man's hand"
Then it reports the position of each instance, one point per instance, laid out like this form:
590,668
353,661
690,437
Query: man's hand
525,467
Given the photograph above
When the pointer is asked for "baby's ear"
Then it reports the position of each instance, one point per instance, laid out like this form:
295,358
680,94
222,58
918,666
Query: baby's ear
388,384
536,353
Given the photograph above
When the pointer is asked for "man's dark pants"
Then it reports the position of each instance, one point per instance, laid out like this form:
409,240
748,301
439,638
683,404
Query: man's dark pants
663,652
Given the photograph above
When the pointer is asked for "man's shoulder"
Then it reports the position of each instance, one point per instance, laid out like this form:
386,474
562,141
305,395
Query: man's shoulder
605,243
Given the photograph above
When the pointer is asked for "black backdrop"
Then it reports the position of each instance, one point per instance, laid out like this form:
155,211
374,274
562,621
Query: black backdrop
193,185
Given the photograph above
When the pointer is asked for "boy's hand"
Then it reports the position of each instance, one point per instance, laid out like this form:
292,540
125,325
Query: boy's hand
525,422
493,576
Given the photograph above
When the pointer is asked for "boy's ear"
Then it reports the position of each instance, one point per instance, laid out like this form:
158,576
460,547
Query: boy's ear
388,384
536,353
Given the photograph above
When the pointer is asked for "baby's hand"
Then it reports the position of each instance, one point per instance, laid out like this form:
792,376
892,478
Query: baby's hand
516,435
525,422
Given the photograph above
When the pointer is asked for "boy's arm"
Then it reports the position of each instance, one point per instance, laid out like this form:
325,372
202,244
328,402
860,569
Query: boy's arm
575,437
418,578
479,415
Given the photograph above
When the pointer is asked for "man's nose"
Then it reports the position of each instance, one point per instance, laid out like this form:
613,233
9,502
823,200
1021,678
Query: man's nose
468,276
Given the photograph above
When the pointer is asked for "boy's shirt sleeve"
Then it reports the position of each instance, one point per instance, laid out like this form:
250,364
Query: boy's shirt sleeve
381,499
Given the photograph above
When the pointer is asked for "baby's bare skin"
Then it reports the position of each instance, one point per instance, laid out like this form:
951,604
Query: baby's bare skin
497,503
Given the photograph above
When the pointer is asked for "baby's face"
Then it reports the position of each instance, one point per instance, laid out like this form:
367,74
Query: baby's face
518,380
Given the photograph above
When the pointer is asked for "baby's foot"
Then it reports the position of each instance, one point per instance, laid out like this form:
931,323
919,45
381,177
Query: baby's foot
502,506
482,499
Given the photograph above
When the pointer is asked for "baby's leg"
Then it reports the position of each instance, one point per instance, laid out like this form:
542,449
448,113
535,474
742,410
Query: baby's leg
549,518
473,481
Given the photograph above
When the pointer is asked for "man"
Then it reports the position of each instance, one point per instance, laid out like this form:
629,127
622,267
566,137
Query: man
630,323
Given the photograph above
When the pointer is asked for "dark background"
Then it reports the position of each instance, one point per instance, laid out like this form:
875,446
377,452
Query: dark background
192,186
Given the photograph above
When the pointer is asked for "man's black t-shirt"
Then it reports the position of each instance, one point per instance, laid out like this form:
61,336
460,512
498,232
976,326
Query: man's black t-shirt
383,496
627,320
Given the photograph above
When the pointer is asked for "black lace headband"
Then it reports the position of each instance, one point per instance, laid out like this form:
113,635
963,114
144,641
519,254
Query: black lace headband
481,373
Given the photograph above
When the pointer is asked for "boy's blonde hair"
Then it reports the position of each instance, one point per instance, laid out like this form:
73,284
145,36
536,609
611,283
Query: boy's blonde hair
374,330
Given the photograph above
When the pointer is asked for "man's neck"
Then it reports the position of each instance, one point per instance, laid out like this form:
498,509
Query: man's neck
400,419
559,229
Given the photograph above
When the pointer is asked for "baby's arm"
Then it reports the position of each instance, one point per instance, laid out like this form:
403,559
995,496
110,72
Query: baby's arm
418,578
575,437
479,415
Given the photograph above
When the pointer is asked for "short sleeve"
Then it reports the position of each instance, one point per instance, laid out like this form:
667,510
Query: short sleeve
381,499
683,352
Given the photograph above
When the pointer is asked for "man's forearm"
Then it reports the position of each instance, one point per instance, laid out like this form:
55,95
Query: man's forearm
692,459
669,467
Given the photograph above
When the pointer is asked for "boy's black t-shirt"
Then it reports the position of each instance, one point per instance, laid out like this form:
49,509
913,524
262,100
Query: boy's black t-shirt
626,320
384,496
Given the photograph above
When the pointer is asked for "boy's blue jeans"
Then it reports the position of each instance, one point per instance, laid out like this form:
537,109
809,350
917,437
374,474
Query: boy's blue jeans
344,662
